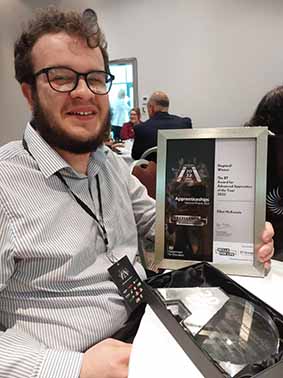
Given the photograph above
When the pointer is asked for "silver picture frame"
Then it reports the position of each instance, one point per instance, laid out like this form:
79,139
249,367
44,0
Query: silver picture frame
210,198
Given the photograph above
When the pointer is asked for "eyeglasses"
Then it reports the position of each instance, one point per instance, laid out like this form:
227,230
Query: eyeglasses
63,79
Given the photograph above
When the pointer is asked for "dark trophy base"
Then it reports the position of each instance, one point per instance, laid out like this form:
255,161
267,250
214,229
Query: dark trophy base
224,329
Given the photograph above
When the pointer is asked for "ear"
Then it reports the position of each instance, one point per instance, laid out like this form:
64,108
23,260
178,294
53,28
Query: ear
27,92
150,109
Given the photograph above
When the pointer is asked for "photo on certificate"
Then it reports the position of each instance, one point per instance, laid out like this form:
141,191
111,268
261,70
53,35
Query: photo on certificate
211,186
189,199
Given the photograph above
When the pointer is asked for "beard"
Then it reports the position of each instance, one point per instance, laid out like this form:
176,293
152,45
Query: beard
50,131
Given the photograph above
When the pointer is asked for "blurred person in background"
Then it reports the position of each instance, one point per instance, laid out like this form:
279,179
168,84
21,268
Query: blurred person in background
269,112
127,131
120,111
159,118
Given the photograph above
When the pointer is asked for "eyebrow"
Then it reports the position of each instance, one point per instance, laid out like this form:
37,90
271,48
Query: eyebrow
72,69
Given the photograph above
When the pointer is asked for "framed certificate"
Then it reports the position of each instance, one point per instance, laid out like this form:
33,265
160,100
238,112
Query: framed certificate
211,190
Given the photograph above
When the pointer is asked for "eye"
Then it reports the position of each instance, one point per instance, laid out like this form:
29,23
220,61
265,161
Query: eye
61,77
96,79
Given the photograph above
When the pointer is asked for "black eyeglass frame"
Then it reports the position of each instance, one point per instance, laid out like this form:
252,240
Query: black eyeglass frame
78,76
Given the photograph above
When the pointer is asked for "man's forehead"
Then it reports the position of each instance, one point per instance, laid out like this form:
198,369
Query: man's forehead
61,47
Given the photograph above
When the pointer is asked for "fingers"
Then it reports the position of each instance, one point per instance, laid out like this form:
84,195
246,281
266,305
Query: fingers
268,232
266,251
119,145
267,266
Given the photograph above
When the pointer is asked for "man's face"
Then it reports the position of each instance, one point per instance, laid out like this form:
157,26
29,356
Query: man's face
74,121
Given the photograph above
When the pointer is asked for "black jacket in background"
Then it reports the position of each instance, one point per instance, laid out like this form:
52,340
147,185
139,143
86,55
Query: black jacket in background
146,133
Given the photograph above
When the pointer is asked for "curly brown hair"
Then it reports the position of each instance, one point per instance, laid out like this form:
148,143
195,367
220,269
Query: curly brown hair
52,20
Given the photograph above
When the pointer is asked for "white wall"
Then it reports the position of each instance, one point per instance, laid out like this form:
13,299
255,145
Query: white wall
215,58
13,108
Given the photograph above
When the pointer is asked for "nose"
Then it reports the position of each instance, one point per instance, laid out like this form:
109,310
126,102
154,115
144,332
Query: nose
82,90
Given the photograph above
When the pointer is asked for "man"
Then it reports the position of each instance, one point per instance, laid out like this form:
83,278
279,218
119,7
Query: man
69,209
159,118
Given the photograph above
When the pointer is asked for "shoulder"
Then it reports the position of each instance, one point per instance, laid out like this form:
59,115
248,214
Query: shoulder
13,158
10,151
143,123
15,166
182,120
142,127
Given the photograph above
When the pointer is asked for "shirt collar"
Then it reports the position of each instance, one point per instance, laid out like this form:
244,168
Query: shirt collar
49,161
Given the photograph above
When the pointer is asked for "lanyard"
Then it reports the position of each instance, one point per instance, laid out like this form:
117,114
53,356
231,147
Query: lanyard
100,223
84,206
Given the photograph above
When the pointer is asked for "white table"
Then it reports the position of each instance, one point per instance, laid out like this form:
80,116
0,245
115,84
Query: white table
155,352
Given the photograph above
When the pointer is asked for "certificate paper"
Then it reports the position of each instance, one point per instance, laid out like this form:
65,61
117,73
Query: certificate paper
211,186
234,201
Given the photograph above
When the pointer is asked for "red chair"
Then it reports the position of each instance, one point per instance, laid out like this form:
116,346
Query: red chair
145,171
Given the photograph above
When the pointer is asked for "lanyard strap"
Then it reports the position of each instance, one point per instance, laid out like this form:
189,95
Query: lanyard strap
84,206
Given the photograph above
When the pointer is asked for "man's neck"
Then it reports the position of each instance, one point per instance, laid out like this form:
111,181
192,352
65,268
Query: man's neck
79,162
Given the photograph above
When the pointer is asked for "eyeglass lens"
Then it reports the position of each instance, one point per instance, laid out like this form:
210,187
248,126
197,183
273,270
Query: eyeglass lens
65,80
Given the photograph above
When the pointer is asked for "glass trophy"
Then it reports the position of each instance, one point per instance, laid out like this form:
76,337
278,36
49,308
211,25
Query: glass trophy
233,331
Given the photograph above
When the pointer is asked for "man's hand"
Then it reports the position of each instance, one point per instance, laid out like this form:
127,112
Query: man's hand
107,359
264,250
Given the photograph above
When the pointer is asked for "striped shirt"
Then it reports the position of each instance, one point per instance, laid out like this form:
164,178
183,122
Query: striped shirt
56,297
